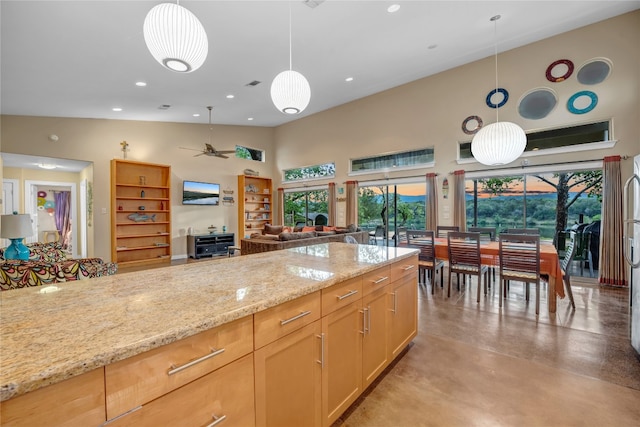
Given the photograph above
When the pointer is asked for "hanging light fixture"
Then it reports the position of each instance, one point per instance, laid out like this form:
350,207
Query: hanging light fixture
175,37
498,143
290,90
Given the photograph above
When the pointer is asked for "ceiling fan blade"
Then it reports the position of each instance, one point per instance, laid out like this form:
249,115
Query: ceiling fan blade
192,149
226,151
196,155
222,156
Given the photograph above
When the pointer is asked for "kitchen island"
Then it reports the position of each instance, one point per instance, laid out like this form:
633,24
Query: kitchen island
102,327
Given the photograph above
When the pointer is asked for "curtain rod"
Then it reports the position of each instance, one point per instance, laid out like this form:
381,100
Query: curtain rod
526,164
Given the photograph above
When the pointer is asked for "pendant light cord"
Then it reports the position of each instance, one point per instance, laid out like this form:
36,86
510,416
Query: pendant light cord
495,54
290,62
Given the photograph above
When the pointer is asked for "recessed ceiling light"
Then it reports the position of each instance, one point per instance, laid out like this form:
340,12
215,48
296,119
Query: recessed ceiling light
393,8
348,79
117,109
141,84
250,118
46,166
196,115
230,96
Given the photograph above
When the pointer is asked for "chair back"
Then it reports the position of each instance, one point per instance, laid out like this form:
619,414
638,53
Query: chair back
401,233
520,253
487,234
379,231
464,249
423,240
582,242
569,252
442,230
531,231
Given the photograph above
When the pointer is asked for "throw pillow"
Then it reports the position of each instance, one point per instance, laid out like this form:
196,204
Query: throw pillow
327,228
308,228
272,229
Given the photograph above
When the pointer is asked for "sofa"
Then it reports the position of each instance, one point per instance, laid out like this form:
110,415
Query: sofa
48,264
273,238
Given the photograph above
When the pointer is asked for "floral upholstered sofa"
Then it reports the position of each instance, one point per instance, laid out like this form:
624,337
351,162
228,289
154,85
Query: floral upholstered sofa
47,264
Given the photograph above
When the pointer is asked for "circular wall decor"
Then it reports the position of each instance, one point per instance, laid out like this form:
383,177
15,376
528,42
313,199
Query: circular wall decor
565,63
582,102
42,194
594,71
537,103
493,104
474,121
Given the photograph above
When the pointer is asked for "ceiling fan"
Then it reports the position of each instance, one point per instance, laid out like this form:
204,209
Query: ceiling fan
209,150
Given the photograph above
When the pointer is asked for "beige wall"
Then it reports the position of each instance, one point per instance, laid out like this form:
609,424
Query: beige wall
98,141
427,112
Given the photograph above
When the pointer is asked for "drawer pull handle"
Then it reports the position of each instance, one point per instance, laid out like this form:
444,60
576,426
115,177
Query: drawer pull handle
217,420
380,280
175,369
321,361
369,320
408,267
395,302
347,295
304,313
364,321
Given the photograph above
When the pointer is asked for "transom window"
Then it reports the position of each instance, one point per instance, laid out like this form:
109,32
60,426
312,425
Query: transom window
401,160
326,170
574,138
249,153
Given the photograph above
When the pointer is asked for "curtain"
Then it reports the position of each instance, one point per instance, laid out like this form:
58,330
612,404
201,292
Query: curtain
279,220
62,217
431,220
612,266
459,202
331,207
352,202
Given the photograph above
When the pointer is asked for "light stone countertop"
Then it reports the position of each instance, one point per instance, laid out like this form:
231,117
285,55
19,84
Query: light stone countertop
48,337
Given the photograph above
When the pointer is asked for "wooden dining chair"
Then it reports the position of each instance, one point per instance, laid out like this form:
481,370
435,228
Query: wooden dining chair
442,230
520,260
464,257
570,251
487,234
427,261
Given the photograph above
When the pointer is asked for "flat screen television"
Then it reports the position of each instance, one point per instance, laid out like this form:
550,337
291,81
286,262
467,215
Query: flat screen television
200,193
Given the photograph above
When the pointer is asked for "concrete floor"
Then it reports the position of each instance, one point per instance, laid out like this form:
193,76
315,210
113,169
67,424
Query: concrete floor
478,365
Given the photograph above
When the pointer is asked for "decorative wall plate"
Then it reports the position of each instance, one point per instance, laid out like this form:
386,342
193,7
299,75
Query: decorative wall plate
42,194
567,72
574,104
474,121
493,104
537,103
594,71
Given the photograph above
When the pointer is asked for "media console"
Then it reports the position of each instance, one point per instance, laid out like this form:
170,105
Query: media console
209,244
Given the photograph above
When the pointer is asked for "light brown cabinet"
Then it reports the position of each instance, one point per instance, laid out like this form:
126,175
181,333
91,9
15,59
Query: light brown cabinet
375,354
140,212
403,314
78,401
255,204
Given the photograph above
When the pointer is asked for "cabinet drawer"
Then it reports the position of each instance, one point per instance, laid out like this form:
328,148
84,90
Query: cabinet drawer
147,376
403,268
78,401
375,279
225,395
280,320
341,295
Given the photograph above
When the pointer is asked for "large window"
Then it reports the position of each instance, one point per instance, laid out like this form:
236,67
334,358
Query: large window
402,160
306,207
549,201
326,170
575,138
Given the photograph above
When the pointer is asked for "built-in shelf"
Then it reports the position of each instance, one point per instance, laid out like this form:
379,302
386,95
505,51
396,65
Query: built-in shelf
253,191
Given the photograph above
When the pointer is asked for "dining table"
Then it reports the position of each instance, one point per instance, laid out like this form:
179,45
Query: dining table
549,264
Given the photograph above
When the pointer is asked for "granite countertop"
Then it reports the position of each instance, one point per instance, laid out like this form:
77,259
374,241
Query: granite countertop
48,337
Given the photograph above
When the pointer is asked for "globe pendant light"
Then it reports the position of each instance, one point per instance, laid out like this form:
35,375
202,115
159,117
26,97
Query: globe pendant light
290,90
498,143
175,38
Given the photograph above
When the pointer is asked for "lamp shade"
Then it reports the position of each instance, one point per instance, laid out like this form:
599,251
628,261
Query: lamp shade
175,37
498,143
16,226
290,92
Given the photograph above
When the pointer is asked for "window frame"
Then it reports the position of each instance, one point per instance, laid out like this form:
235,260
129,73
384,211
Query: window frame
392,168
307,179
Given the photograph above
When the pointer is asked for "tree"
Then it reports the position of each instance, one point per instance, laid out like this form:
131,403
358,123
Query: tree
592,185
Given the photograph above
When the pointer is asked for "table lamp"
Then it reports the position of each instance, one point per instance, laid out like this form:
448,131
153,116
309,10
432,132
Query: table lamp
16,227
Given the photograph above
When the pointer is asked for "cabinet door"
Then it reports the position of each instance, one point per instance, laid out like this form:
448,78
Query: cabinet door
342,370
288,379
223,397
403,314
375,356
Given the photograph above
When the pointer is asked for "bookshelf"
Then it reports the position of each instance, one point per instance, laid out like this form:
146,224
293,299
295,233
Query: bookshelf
255,204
